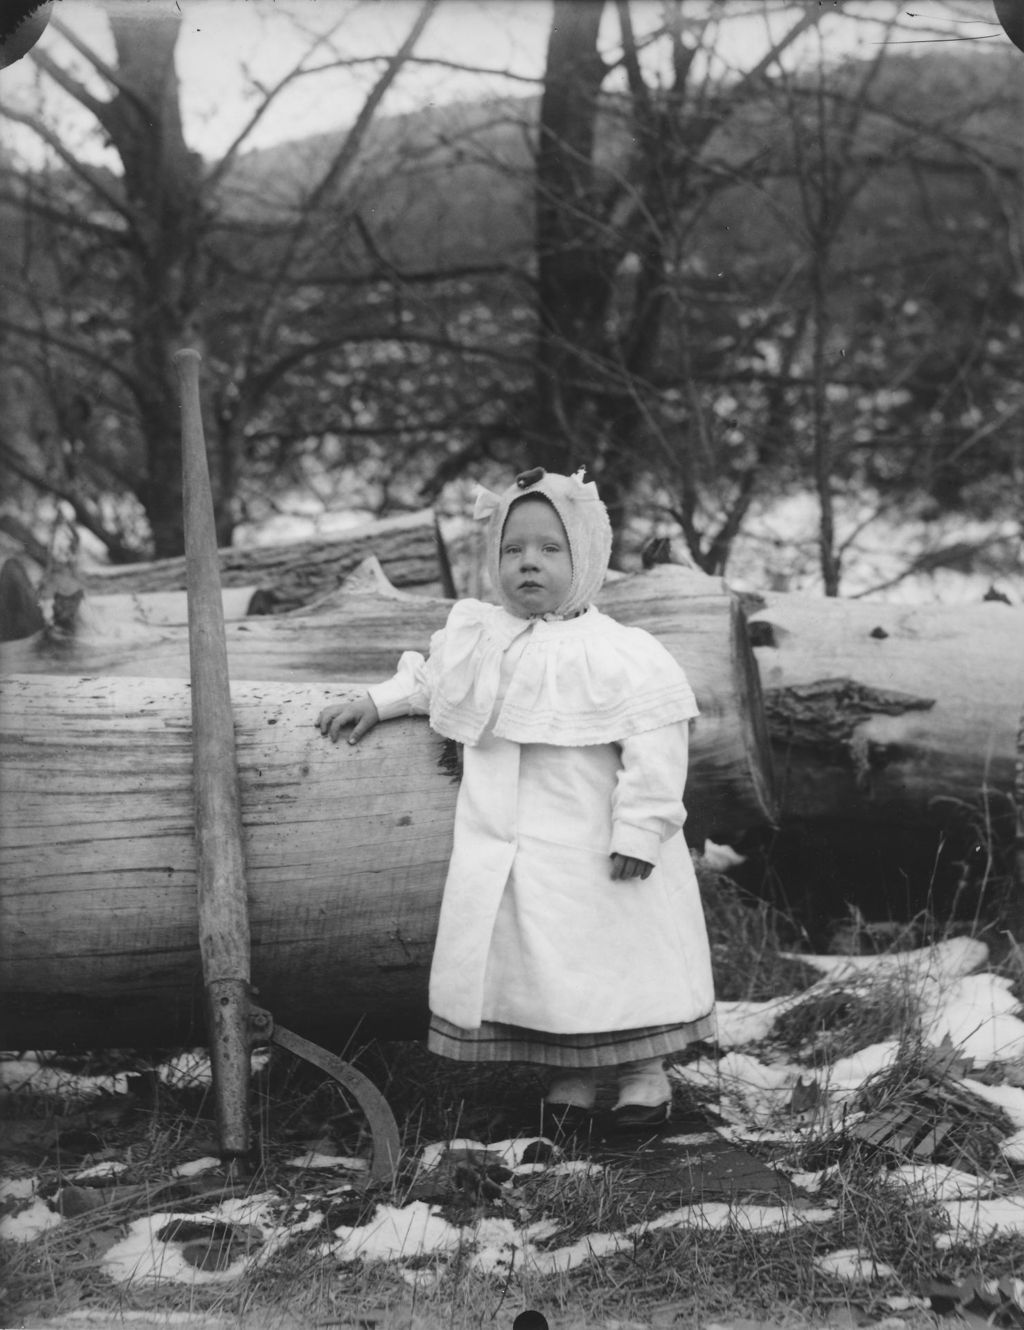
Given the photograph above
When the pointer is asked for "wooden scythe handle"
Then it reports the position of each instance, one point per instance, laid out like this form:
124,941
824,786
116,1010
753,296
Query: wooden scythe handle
220,868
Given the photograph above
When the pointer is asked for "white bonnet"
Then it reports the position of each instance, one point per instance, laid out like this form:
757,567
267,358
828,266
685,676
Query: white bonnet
583,515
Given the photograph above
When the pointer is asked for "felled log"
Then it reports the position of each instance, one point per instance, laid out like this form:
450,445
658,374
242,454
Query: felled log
882,711
346,850
345,846
409,547
118,614
357,635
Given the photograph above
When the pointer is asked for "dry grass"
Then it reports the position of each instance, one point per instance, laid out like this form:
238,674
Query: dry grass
695,1276
665,1277
748,940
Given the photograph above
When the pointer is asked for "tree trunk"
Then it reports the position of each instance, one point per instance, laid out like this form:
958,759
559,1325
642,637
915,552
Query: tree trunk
124,601
345,854
346,848
573,282
409,547
163,186
358,638
888,712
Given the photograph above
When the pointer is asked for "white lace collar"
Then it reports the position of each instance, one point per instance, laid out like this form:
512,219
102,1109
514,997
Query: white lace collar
582,680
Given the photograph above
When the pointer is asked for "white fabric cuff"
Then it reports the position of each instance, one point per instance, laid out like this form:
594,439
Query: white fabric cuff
391,698
635,842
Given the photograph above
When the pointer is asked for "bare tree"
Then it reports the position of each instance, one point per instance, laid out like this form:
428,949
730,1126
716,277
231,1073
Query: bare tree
158,229
649,364
597,356
647,269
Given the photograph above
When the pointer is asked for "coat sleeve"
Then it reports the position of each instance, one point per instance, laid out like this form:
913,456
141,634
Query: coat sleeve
409,691
647,803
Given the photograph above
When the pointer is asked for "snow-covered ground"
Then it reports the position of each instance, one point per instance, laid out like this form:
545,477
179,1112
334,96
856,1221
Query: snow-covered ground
961,1006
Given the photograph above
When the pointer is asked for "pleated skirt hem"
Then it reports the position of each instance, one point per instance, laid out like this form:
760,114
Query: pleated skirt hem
495,1042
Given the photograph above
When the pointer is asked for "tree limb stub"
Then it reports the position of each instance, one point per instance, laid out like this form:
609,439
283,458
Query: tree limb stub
825,715
889,711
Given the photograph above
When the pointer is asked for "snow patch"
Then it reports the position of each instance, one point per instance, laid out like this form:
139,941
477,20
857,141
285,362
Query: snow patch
851,1264
150,1254
26,1224
314,1159
192,1169
980,1219
937,1182
748,1218
109,1168
398,1233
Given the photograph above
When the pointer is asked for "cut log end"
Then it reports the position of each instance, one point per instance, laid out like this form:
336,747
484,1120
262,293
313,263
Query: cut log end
20,612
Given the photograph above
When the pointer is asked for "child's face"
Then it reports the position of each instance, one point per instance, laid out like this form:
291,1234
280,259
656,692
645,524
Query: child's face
535,565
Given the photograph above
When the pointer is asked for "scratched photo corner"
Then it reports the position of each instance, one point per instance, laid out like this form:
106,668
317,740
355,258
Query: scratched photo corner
511,611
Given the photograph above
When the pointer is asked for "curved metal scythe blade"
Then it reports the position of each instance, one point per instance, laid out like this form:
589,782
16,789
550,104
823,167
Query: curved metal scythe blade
375,1107
223,908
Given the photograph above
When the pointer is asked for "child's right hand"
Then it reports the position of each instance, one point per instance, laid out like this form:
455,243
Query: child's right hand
359,712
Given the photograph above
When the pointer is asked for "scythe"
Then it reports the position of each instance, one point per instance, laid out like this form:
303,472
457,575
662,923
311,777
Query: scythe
235,1024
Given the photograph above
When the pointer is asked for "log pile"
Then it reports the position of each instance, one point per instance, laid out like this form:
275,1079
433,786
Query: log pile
868,713
357,635
346,848
876,711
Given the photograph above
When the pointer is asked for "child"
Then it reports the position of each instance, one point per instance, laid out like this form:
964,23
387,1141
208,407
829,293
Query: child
571,930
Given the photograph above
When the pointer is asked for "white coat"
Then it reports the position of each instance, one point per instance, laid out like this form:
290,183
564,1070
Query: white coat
534,931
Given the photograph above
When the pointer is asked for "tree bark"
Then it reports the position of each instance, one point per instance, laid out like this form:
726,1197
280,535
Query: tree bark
874,711
573,279
345,850
409,548
20,615
888,712
163,186
345,847
123,602
357,637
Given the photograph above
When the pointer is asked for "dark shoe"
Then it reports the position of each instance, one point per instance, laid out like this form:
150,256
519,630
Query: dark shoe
562,1120
640,1117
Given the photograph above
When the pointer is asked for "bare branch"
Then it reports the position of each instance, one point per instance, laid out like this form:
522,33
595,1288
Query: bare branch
354,139
261,384
71,86
83,172
269,95
810,19
340,163
433,61
955,555
44,337
85,515
637,86
112,75
48,212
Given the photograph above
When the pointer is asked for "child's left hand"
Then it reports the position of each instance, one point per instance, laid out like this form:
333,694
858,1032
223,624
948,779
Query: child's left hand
623,867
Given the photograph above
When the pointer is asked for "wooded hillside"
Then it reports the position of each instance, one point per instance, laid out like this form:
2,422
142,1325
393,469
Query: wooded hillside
765,284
